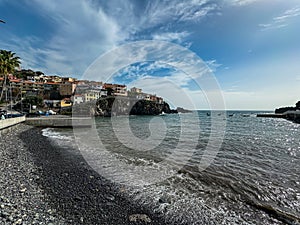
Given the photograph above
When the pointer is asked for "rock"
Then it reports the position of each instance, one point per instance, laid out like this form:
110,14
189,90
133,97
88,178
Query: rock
23,190
19,221
110,198
112,106
182,110
11,218
77,198
4,214
139,218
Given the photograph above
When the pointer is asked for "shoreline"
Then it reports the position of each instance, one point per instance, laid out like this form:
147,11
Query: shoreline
43,183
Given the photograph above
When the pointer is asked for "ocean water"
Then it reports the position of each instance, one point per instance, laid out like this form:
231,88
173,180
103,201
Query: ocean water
200,167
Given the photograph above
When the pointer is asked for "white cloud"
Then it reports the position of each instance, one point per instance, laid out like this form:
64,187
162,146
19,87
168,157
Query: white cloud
242,2
177,37
163,52
288,14
81,34
172,92
158,12
282,20
213,64
85,29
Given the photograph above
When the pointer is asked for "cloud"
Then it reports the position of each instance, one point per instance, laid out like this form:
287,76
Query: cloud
172,92
288,14
242,2
213,65
158,12
83,30
177,37
282,20
142,69
81,34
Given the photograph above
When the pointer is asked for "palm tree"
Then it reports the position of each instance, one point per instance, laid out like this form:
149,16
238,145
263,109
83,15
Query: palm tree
8,63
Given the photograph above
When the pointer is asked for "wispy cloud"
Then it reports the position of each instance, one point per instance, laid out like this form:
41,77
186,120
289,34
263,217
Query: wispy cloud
282,20
81,34
162,11
213,64
242,2
85,29
177,37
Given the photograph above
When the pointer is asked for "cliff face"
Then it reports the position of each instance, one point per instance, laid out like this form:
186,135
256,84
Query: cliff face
289,108
112,106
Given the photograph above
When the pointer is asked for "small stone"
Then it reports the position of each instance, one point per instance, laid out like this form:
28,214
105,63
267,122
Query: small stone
51,218
19,221
2,206
4,214
139,218
77,198
111,198
23,190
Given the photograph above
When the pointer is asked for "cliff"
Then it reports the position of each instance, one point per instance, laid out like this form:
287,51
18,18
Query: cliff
112,106
289,108
290,113
182,110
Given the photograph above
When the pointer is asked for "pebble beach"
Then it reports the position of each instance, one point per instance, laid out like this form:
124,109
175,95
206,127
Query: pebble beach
43,184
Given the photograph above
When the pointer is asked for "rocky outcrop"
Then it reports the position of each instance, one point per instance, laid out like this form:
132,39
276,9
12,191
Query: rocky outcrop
114,106
284,109
289,108
182,110
290,113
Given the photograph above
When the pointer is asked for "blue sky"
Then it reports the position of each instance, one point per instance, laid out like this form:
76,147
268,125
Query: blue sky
251,46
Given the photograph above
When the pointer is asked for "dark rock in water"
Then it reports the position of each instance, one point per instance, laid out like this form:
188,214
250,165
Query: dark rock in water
114,106
284,109
290,113
182,110
289,108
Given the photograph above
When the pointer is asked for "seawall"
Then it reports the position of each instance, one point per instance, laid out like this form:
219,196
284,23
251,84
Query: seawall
6,124
59,121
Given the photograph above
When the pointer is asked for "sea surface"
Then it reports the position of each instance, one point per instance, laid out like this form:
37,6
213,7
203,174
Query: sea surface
198,168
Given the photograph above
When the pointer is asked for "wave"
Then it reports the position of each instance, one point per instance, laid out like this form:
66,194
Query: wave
52,133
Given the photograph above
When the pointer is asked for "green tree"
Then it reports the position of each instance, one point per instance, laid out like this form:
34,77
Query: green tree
8,63
33,100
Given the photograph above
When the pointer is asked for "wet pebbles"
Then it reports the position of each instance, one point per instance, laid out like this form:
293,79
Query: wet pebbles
43,184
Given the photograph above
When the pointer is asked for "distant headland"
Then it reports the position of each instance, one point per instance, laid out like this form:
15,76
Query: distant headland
288,108
290,112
